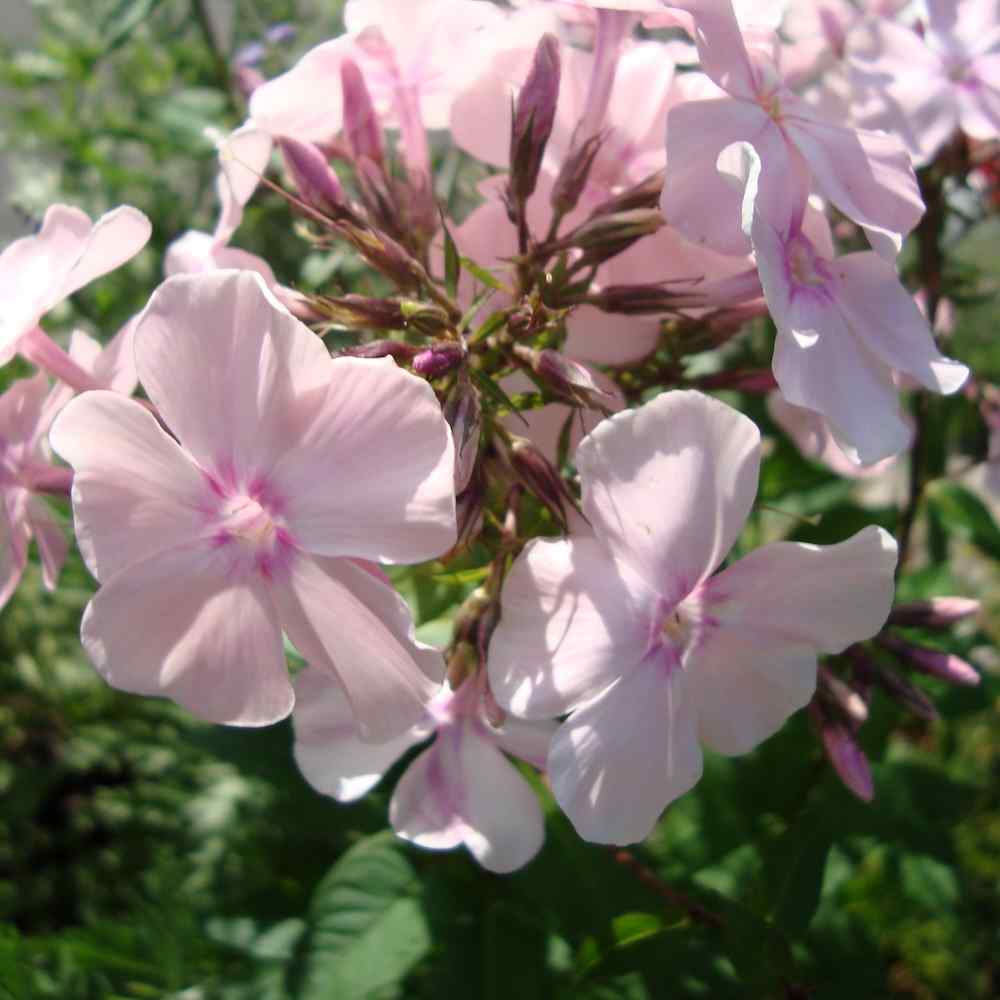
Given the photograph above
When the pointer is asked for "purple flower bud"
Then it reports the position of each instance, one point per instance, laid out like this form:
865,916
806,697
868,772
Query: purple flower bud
648,299
563,376
464,413
573,174
938,612
361,123
249,55
602,237
742,379
534,114
317,184
359,312
935,662
537,473
842,697
469,512
645,194
903,691
843,752
280,32
247,79
438,359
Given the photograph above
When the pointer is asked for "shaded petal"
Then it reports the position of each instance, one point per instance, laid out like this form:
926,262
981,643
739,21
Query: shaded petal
116,237
423,807
372,474
13,551
503,820
867,175
618,761
573,620
343,619
194,252
668,486
328,750
135,492
233,374
881,310
243,159
528,740
175,625
50,537
979,98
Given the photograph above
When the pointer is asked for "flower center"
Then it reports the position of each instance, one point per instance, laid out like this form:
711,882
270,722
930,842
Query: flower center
255,537
245,519
805,265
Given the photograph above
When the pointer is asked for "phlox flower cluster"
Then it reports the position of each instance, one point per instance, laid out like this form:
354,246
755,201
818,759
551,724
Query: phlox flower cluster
530,405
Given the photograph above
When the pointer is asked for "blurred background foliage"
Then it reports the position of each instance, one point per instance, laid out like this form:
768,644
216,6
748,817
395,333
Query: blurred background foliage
143,854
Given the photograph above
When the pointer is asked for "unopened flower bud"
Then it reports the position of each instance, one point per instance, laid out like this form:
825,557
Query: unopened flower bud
645,194
563,376
247,79
843,752
360,312
538,474
934,662
424,317
573,174
646,300
602,237
759,380
383,253
361,123
938,612
464,414
316,182
438,359
463,659
534,114
903,691
395,349
842,697
469,514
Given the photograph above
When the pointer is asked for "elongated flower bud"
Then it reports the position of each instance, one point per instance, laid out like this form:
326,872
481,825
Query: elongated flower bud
843,752
316,182
438,359
538,474
534,114
934,662
359,312
395,349
605,236
573,174
361,124
464,413
904,692
563,376
842,697
938,612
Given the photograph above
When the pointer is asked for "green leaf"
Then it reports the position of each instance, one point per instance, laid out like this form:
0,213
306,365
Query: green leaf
796,862
484,276
452,263
497,396
963,513
124,18
514,955
366,927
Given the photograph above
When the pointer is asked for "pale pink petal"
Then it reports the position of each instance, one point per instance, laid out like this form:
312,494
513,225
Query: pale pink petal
747,683
288,105
698,200
232,373
423,808
528,740
848,586
573,620
881,310
867,175
668,486
978,98
618,761
13,550
113,364
135,492
194,252
328,750
50,537
503,820
175,625
772,613
115,238
23,410
372,473
720,45
610,339
344,620
243,159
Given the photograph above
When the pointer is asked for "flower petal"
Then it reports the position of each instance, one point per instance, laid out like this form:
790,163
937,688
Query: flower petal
329,752
372,474
422,808
619,760
668,486
135,492
346,621
175,625
573,620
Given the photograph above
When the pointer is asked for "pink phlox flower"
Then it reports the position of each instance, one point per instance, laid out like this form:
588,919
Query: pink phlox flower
69,251
846,329
866,175
460,790
25,470
286,468
925,86
625,628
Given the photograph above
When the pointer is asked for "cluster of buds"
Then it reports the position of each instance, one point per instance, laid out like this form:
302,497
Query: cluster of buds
841,703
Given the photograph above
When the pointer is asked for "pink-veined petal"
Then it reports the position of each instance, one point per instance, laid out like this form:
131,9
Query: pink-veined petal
116,237
135,492
372,475
978,98
573,620
423,808
345,620
233,374
619,760
194,252
668,486
883,312
175,625
328,750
